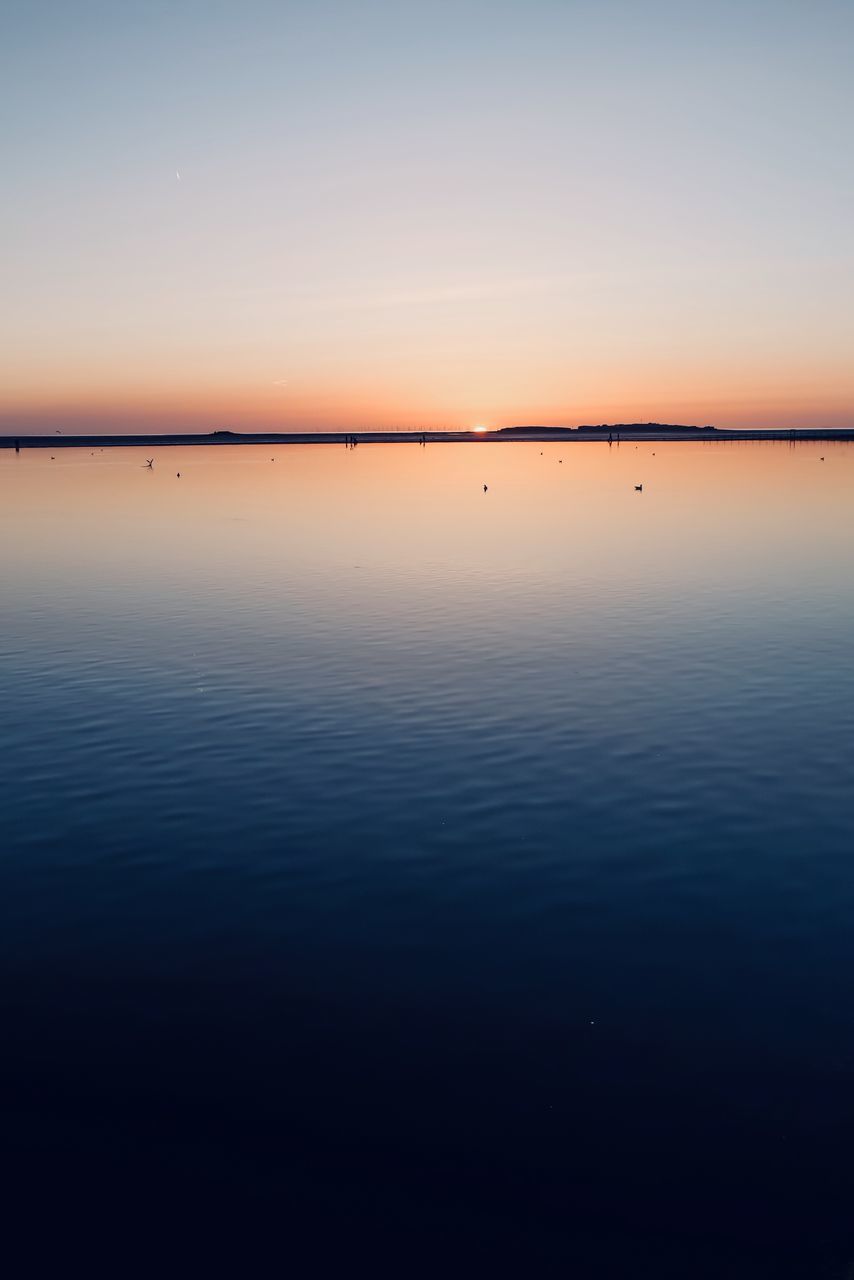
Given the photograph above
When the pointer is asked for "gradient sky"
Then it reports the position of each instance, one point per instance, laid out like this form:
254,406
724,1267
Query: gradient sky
432,214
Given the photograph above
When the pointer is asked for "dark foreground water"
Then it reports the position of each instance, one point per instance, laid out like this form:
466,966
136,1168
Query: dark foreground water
402,878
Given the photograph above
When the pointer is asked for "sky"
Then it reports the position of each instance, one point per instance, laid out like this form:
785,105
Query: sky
384,214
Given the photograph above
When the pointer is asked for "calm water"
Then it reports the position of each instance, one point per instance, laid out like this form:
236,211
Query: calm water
397,876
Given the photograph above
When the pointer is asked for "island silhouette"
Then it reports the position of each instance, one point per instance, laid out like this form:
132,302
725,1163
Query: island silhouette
614,432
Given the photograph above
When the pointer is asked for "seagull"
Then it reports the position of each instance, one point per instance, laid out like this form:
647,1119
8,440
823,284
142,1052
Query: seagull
485,487
638,488
149,464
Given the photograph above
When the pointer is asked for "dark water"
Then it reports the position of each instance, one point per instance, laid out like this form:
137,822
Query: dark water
398,878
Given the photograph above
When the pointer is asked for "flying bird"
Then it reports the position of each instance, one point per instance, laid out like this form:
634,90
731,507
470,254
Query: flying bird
149,465
638,488
177,175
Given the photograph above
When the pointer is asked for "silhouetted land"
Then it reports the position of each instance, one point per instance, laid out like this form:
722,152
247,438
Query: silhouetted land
658,431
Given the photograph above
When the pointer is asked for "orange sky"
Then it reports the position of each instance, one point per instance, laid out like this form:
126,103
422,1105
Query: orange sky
484,214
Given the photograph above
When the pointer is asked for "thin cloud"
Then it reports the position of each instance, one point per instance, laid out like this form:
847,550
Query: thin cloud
436,296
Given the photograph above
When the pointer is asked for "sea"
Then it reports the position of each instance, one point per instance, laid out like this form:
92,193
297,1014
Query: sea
430,859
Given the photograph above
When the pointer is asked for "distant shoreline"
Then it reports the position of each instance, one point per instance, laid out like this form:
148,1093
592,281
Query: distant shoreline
507,435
